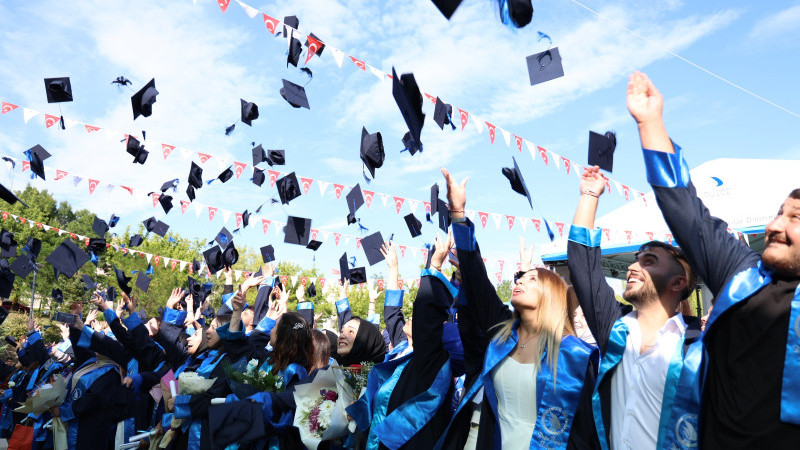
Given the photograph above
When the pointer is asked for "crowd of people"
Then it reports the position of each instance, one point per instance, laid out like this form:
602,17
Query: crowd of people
564,365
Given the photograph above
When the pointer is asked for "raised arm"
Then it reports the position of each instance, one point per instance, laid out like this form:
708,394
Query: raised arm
711,251
393,299
597,299
343,311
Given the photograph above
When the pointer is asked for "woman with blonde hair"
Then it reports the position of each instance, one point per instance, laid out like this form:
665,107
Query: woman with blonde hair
535,371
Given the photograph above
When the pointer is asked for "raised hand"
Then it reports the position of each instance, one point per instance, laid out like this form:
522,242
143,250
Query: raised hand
389,252
456,194
174,298
343,288
441,249
276,310
525,256
252,282
91,317
77,310
238,300
645,103
592,182
300,293
374,293
99,302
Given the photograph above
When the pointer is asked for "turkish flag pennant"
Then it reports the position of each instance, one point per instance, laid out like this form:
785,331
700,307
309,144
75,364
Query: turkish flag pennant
424,253
50,120
669,238
238,220
5,215
358,243
157,260
380,284
285,280
129,189
184,205
464,118
560,227
399,284
238,168
491,131
543,154
166,149
321,282
402,251
86,242
398,203
92,185
337,237
223,5
270,23
650,235
499,276
368,196
627,191
313,46
314,234
306,184
628,235
337,189
431,98
26,165
359,63
173,264
155,199
567,163
273,177
510,220
538,224
518,140
644,198
265,225
607,234
91,129
8,107
484,218
427,207
203,157
211,213
608,184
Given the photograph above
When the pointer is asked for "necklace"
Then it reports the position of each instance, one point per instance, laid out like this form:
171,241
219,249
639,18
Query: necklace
522,346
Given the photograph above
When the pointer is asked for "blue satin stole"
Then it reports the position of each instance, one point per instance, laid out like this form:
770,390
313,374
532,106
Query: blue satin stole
741,287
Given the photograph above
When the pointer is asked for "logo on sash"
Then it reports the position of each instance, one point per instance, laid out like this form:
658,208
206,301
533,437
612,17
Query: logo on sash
686,430
76,394
555,420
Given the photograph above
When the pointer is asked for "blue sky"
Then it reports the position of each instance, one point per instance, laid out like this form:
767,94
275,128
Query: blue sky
205,61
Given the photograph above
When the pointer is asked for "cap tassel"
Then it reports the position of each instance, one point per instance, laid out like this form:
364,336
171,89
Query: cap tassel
361,228
353,261
61,120
428,217
229,130
450,120
364,173
94,257
149,270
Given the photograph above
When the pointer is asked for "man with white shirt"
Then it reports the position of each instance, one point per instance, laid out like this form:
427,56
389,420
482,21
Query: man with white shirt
646,395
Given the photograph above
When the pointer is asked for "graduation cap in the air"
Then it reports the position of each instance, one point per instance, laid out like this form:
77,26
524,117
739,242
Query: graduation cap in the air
195,176
355,199
519,12
136,240
9,197
267,253
311,290
259,155
276,157
156,226
294,94
225,175
122,280
224,237
372,248
409,144
240,422
67,258
443,114
36,155
111,293
249,112
190,193
372,154
213,257
143,281
297,231
601,150
409,99
8,245
295,48
447,7
358,275
545,66
23,265
58,90
99,226
317,47
245,219
112,221
6,279
444,215
413,224
314,245
142,101
166,202
344,268
135,149
258,176
171,184
288,188
230,255
57,295
517,182
196,290
434,199
97,245
88,283
33,246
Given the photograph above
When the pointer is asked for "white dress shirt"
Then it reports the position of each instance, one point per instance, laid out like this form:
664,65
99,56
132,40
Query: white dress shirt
637,386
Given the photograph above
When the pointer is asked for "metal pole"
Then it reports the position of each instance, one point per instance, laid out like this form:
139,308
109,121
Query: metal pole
33,292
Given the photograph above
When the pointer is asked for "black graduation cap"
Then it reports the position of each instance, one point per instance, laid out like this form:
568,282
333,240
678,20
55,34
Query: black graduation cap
295,48
196,176
294,94
99,226
344,268
36,155
442,114
517,182
414,225
8,245
267,253
311,290
230,255
225,175
297,231
3,315
259,155
245,219
545,66
249,112
409,99
122,280
171,184
409,144
196,290
314,245
372,153
136,240
150,224
355,199
239,422
372,248
447,7
135,149
166,202
317,51
143,281
195,266
276,157
67,258
434,199
288,188
57,295
161,228
23,265
258,176
112,221
88,283
291,21
58,89
224,237
6,279
142,101
97,245
601,150
358,275
190,192
111,293
213,257
34,246
519,11
444,215
9,197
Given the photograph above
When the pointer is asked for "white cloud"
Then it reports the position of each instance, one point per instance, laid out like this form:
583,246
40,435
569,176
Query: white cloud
780,24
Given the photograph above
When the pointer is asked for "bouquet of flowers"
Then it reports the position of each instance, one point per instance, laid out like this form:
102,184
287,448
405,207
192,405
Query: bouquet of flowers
247,378
191,383
356,376
320,414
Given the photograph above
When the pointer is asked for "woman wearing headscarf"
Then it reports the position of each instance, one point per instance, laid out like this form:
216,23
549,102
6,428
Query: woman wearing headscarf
534,370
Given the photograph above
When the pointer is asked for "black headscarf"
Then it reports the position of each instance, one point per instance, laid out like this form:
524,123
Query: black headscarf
367,346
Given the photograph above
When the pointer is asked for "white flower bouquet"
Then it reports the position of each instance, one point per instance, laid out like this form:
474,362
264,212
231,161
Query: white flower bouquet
191,383
320,414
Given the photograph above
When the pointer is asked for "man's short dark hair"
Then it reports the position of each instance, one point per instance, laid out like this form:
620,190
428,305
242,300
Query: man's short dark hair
680,258
795,194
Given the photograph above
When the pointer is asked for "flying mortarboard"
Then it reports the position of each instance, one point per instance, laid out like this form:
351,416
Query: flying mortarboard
276,157
434,199
443,113
288,188
9,197
409,99
245,219
8,245
57,295
97,245
225,175
166,202
258,176
291,21
601,150
190,192
58,89
196,176
355,199
111,293
142,101
23,266
372,154
311,290
230,255
99,226
36,155
224,237
297,231
358,275
143,281
409,144
314,245
88,283
545,66
294,94
413,224
67,258
135,149
519,11
249,112
213,257
295,48
6,279
112,221
447,7
372,248
122,280
267,253
34,246
344,268
517,182
444,215
136,240
259,155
